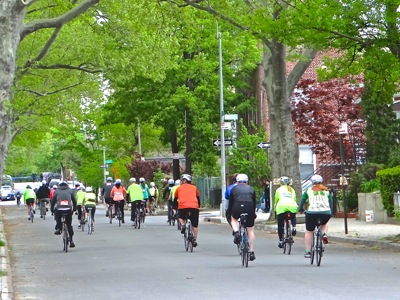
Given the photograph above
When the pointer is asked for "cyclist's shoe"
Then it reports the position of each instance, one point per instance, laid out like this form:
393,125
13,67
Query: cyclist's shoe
57,232
34,211
79,226
183,229
280,244
123,221
107,213
325,239
252,256
72,244
294,231
307,254
194,243
236,239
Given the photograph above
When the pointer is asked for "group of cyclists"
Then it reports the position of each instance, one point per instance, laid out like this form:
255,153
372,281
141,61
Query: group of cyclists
183,198
316,201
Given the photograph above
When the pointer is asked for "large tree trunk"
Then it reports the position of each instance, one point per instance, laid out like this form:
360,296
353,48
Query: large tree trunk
284,153
12,13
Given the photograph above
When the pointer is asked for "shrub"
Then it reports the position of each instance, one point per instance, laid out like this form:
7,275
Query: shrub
389,180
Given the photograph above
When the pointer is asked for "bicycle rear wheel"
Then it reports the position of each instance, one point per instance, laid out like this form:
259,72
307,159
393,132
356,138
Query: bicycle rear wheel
65,238
110,213
119,216
318,251
89,221
191,237
186,240
312,252
32,214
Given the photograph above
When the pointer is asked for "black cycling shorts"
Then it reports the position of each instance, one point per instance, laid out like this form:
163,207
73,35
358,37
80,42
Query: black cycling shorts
311,220
189,213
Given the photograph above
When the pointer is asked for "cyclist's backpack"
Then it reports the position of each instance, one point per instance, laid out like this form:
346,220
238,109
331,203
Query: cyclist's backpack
64,204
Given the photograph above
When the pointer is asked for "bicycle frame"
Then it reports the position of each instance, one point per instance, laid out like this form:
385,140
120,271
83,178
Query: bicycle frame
64,234
90,220
244,241
188,236
287,234
317,248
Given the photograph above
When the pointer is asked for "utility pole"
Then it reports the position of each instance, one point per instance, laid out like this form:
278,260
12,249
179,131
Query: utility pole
222,120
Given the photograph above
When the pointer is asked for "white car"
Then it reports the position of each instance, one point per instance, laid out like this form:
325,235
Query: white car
7,193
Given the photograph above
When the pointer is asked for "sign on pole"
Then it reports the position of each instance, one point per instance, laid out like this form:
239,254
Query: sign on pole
109,161
264,145
104,166
218,143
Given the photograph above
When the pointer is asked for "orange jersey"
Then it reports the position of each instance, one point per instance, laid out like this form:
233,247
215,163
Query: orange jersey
118,194
187,196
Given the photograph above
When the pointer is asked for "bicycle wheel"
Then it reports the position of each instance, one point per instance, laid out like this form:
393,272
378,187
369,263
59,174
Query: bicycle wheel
89,221
110,213
172,219
119,216
312,252
289,238
138,218
246,248
32,214
186,238
65,237
318,251
43,210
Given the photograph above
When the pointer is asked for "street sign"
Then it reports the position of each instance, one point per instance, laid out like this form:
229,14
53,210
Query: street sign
109,161
218,142
233,117
226,125
265,145
104,166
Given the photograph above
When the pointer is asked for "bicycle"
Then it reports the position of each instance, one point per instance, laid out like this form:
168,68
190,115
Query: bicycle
18,200
110,212
244,240
83,218
118,214
287,234
64,233
90,220
188,236
42,203
138,210
143,212
317,248
31,212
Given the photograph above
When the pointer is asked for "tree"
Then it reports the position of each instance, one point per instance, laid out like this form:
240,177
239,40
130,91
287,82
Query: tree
13,31
320,108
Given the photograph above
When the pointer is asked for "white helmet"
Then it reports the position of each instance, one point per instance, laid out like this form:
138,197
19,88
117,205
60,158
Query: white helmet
177,182
316,179
242,178
284,180
171,181
54,186
82,187
133,179
118,181
187,177
142,179
152,184
44,182
89,189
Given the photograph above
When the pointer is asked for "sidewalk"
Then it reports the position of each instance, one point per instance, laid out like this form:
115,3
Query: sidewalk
358,232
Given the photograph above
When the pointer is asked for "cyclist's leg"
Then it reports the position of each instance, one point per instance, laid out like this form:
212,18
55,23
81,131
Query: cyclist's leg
57,218
106,204
169,206
68,221
294,223
121,207
324,226
194,218
281,222
308,235
182,215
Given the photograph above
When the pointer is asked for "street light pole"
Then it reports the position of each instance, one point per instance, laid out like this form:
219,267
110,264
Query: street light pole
222,120
343,181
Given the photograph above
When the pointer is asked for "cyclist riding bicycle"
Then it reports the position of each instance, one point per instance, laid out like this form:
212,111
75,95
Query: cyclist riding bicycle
319,204
167,198
145,190
90,202
188,198
153,196
105,193
242,199
63,203
43,194
285,202
135,196
80,202
118,194
29,200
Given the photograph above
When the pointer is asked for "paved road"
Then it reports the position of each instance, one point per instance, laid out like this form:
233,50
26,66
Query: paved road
150,263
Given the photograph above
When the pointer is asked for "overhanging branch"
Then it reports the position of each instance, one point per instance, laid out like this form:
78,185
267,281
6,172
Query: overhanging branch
57,21
42,94
81,67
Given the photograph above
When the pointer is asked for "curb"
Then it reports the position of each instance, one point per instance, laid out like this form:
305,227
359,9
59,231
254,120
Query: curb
6,291
349,240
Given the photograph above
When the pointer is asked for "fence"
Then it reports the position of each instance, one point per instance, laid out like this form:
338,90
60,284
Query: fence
210,190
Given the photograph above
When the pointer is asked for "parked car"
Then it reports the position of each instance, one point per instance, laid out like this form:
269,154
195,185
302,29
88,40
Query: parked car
7,193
